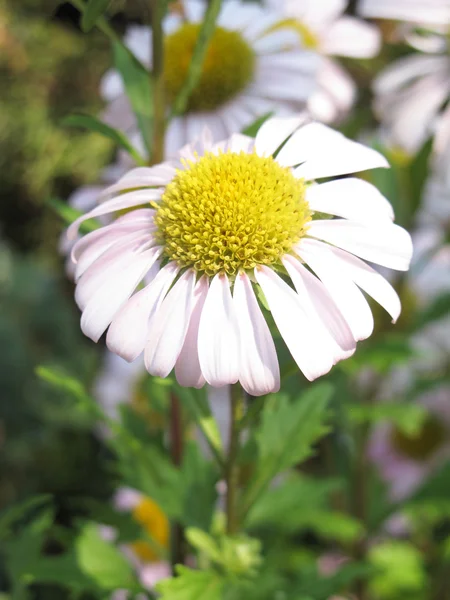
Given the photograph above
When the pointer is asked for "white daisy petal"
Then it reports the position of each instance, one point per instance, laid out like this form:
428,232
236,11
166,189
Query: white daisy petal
187,367
350,198
128,332
311,350
218,345
347,297
168,326
351,37
388,245
274,132
112,295
259,370
323,303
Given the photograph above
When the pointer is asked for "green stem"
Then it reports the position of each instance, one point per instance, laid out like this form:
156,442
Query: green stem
101,23
232,471
198,57
159,105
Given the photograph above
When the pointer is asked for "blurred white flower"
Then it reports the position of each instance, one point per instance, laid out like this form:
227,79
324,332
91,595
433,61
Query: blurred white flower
227,217
432,12
324,27
406,461
251,69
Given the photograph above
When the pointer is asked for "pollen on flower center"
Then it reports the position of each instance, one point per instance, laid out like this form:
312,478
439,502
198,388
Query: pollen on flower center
231,212
227,69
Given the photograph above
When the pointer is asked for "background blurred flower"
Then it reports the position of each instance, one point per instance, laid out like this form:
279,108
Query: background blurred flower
250,70
434,12
323,27
198,327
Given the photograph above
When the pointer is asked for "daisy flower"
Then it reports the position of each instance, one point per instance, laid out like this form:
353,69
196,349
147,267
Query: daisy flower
432,12
231,227
406,461
142,555
323,27
250,70
412,94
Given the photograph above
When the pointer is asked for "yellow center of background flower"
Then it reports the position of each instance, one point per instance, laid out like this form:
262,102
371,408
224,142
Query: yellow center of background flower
231,212
308,38
227,69
422,446
148,514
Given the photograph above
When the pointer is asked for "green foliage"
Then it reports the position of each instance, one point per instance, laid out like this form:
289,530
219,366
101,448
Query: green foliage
93,11
192,585
286,435
406,416
137,84
94,124
399,569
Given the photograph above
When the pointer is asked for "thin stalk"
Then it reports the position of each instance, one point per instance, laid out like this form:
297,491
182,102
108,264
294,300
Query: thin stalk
176,446
101,23
232,471
157,75
198,57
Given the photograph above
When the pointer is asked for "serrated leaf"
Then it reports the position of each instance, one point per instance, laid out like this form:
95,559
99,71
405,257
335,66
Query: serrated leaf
93,124
192,585
93,11
101,561
136,80
286,435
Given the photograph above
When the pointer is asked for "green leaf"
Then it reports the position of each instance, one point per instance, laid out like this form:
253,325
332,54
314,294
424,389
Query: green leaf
137,84
254,127
70,214
400,569
192,585
286,435
93,124
382,355
9,516
439,307
406,416
103,562
58,378
93,11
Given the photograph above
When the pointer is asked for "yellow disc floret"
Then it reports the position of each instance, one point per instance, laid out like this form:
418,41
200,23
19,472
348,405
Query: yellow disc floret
227,69
149,515
231,212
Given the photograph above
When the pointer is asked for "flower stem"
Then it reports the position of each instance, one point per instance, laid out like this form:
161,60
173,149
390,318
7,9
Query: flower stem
176,443
157,76
198,57
232,471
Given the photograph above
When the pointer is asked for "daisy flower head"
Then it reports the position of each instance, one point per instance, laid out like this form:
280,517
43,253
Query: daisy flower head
323,27
250,69
231,227
412,94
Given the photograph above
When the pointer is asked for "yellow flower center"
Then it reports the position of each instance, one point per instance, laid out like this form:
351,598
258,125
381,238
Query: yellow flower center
308,38
227,69
423,445
148,514
231,212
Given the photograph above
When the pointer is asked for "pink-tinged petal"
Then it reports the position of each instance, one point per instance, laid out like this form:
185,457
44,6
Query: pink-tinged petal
112,237
274,132
112,295
187,367
142,177
386,245
369,280
350,198
218,345
351,37
115,258
139,215
323,303
259,369
347,297
168,327
128,332
128,200
310,348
